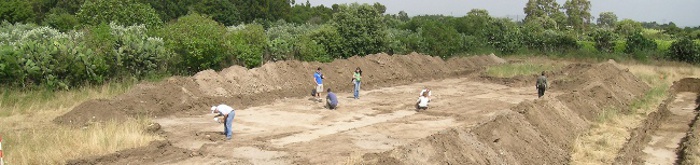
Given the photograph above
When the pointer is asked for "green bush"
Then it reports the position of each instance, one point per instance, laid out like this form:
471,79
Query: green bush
637,43
61,20
505,36
663,45
123,12
198,41
684,50
331,41
134,53
587,46
250,52
603,40
619,46
361,28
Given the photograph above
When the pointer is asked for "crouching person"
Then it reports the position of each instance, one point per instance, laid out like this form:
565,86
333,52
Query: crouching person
228,113
422,103
331,100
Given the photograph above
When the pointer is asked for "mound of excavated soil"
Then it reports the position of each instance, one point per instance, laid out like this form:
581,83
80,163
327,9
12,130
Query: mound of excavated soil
157,151
243,88
535,132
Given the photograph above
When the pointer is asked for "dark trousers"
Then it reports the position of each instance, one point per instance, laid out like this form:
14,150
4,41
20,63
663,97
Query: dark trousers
540,92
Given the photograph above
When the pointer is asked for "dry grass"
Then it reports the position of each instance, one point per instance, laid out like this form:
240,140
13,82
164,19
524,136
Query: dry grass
29,136
601,143
529,66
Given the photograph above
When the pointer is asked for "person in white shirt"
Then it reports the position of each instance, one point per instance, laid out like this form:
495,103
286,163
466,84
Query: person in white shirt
423,100
229,113
424,91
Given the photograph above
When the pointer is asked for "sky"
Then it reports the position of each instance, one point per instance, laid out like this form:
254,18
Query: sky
681,12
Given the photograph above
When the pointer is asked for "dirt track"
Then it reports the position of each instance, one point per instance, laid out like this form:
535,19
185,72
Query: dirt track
473,119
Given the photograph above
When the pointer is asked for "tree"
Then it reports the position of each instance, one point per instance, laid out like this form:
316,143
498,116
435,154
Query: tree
200,42
672,29
271,10
361,28
684,50
403,16
607,19
603,40
16,11
123,12
579,13
541,8
628,27
223,12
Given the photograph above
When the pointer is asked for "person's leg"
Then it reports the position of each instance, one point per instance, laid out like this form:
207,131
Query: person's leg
540,92
229,123
359,84
356,90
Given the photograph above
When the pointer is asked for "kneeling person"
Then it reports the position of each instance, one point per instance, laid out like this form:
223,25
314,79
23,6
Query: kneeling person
331,100
422,103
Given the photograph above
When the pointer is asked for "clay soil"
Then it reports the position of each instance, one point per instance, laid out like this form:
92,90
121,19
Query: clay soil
473,118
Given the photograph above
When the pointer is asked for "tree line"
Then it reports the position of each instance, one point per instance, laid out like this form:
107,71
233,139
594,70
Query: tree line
62,44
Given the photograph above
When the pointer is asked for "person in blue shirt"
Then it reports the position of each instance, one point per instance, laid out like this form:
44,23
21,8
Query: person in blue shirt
331,100
318,79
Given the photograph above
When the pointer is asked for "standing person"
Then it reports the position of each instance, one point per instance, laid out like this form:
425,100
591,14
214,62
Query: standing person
318,80
356,79
331,100
229,113
541,85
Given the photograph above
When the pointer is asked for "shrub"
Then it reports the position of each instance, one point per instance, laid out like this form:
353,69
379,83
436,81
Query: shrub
603,40
361,28
124,12
61,20
684,50
637,43
250,51
200,42
505,36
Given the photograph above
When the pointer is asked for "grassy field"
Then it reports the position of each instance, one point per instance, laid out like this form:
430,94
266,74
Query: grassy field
601,143
29,136
531,66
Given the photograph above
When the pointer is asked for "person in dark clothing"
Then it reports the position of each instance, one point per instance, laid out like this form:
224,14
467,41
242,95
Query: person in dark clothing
541,85
331,100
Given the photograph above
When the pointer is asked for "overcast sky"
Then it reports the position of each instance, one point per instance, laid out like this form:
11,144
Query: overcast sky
681,12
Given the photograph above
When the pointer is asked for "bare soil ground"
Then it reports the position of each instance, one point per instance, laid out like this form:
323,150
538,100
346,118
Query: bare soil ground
474,118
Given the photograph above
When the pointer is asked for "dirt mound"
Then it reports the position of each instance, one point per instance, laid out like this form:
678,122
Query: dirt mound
157,151
244,88
535,132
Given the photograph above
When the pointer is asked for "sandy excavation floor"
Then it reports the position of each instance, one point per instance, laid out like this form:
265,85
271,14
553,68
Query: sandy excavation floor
665,141
300,131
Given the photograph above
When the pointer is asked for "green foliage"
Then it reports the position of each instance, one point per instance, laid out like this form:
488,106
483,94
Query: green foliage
270,10
306,13
224,12
330,40
16,11
123,12
684,50
544,9
199,42
619,46
637,43
136,54
628,27
361,29
250,51
440,39
663,45
578,12
505,36
603,40
607,19
61,20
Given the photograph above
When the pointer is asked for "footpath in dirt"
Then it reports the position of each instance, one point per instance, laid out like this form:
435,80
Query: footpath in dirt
474,119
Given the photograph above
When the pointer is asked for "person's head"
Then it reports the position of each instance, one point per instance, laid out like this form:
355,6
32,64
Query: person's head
425,94
328,90
318,69
213,109
542,73
358,70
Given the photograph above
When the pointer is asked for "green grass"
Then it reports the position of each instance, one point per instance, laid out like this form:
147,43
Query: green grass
512,70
